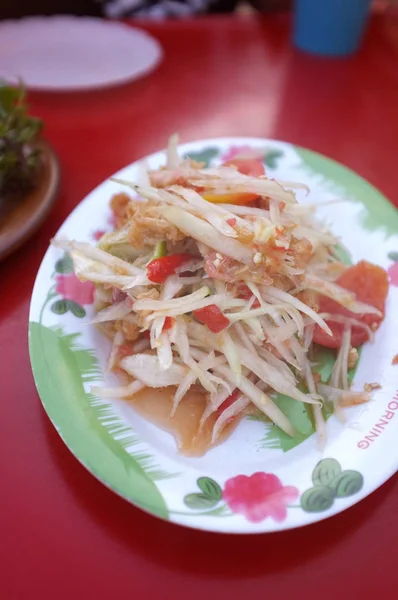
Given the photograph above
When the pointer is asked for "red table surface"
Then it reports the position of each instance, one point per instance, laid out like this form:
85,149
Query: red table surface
62,534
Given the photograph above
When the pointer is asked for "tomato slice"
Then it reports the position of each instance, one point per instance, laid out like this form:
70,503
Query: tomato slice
159,269
212,317
370,284
254,167
246,166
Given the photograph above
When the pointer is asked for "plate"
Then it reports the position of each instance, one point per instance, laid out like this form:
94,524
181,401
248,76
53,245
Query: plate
19,219
257,481
74,53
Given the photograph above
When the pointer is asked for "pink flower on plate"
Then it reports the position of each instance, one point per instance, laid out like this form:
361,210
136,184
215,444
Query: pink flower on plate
97,235
71,288
259,496
393,274
242,152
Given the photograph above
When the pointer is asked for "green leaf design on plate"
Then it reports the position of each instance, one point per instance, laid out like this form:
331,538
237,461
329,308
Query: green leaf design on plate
317,499
76,309
64,265
207,155
377,213
326,471
210,488
199,501
393,256
88,425
220,511
300,414
271,158
60,307
300,418
346,484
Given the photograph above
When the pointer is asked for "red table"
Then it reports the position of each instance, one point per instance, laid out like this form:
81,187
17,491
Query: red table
62,534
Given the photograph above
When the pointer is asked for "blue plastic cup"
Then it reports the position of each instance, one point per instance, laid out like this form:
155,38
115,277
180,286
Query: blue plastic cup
330,27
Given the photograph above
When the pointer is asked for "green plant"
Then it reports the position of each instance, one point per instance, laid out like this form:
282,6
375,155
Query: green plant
19,158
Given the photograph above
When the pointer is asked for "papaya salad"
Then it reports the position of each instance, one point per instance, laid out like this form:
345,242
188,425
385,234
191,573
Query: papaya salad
216,280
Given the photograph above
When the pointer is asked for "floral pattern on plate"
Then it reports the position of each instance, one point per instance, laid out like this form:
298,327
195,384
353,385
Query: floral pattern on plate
245,485
262,495
74,293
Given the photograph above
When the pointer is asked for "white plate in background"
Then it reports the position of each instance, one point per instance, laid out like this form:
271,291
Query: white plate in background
68,53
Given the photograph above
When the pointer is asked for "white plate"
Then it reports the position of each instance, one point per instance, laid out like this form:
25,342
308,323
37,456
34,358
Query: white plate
74,53
252,483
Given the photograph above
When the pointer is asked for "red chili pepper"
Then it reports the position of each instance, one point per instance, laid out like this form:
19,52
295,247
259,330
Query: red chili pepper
227,403
168,323
231,399
159,269
212,317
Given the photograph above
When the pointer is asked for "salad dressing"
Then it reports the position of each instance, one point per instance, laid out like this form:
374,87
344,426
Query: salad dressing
155,405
